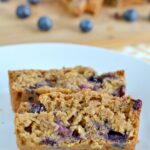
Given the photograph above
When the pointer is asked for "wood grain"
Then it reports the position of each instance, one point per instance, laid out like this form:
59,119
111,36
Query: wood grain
107,32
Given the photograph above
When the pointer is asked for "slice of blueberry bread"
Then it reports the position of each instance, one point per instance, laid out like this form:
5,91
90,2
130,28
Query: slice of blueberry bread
82,120
78,7
123,2
27,85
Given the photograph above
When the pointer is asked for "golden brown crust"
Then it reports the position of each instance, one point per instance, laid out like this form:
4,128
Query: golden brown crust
85,146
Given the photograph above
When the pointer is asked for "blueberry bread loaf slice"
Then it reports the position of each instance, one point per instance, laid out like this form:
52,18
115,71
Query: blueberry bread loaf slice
82,120
123,2
78,7
27,85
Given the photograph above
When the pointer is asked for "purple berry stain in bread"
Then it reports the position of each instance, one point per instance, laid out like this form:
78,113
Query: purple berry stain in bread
96,87
37,108
48,141
31,98
100,79
101,130
83,87
116,136
62,130
40,84
137,105
93,79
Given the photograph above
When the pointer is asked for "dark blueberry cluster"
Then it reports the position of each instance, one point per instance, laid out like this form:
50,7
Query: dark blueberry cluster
137,105
116,136
108,133
93,79
100,79
37,108
48,141
31,98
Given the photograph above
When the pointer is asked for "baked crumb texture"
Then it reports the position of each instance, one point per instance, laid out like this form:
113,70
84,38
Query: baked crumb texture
27,85
78,120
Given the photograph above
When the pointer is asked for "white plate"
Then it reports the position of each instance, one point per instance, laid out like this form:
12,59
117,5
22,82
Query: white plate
45,56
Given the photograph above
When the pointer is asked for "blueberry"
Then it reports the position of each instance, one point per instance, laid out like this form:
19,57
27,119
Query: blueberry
137,105
116,136
37,108
23,11
86,25
99,79
93,79
34,1
131,15
48,141
45,23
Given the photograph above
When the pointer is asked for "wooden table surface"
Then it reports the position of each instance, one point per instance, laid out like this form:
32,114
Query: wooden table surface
107,32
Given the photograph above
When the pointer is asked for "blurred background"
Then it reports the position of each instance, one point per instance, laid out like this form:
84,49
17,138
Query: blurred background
123,26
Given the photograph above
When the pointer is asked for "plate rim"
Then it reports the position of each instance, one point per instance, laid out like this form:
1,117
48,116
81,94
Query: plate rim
94,48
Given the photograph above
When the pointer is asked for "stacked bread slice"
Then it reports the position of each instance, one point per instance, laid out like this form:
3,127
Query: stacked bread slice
73,109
